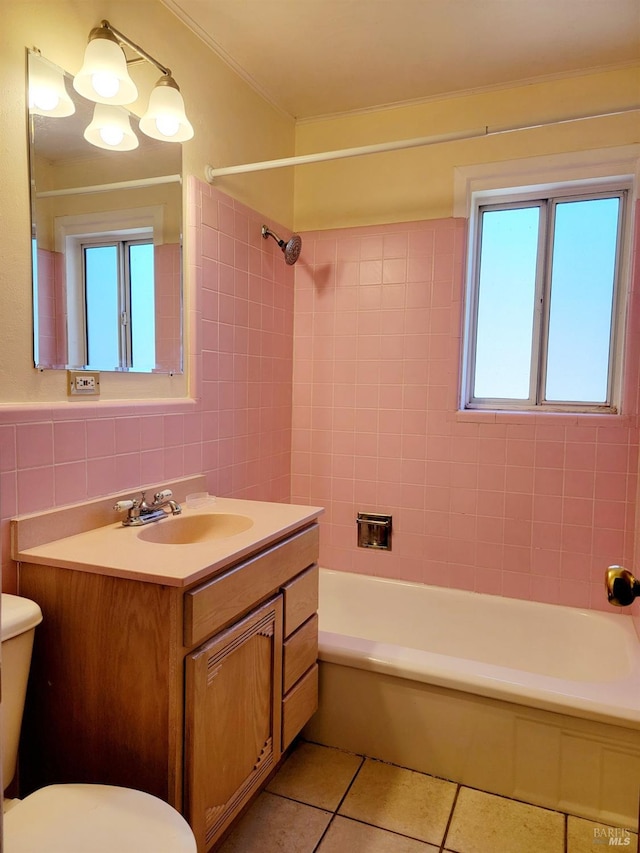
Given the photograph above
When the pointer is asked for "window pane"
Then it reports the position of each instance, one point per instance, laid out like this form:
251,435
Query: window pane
506,299
582,278
143,313
103,321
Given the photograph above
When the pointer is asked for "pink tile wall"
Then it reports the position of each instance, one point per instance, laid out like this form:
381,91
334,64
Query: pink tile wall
244,356
237,428
531,506
61,309
168,305
52,337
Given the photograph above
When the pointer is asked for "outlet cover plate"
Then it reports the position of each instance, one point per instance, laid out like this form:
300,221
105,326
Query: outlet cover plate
83,383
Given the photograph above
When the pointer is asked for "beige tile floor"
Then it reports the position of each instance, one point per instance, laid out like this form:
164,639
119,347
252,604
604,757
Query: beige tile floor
323,800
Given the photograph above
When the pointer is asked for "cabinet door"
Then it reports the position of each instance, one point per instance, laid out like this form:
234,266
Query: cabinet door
232,719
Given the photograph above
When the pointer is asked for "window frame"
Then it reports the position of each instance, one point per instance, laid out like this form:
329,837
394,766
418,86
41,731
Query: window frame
547,196
70,231
122,243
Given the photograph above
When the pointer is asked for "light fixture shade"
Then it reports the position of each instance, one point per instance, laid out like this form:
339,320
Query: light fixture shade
104,77
48,95
111,129
165,118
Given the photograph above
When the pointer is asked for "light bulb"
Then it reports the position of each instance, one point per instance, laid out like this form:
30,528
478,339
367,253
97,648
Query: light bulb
48,94
167,125
105,84
45,100
111,135
110,129
165,117
104,76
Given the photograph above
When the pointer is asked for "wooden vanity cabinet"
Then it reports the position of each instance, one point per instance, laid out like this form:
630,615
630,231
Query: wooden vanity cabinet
233,710
191,694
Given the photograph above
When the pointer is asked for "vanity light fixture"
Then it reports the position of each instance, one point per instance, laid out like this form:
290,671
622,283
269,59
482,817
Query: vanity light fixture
48,95
165,118
104,78
110,129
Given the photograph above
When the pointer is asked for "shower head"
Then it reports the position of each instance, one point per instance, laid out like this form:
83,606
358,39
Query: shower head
621,586
291,248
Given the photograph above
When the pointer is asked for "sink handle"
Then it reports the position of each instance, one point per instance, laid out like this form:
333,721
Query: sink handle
121,506
163,496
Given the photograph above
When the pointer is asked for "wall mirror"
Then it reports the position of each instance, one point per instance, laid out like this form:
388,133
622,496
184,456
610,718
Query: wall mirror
106,236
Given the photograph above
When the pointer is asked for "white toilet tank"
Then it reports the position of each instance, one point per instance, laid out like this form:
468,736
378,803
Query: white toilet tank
18,619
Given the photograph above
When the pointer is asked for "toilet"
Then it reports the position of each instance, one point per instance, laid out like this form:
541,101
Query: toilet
71,818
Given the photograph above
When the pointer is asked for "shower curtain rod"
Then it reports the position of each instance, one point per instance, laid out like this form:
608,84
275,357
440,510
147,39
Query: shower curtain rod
134,184
211,173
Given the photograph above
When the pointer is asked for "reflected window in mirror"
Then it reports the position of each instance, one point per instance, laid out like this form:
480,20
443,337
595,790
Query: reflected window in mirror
119,310
107,229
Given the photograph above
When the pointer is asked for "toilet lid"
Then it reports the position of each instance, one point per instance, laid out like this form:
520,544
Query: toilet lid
17,615
95,819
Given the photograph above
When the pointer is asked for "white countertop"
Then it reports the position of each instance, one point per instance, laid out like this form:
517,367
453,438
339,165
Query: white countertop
117,551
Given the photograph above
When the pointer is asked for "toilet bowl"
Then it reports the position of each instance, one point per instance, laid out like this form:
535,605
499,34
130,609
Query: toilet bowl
71,818
96,818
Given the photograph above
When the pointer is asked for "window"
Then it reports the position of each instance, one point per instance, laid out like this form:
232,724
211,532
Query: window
111,293
544,296
119,303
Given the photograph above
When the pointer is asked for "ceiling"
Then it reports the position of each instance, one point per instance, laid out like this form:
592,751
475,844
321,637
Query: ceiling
315,58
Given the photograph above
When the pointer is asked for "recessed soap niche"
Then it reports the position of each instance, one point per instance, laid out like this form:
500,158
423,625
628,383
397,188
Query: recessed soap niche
374,530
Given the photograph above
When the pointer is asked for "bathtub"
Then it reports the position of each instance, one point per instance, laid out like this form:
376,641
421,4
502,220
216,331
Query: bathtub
532,701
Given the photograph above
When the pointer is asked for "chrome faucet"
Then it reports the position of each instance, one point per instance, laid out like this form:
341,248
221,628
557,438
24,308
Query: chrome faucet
140,512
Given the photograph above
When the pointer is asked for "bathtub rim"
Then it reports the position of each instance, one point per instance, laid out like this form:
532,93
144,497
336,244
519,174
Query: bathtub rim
581,699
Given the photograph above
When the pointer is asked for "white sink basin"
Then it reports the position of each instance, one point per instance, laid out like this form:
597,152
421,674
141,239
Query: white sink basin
195,529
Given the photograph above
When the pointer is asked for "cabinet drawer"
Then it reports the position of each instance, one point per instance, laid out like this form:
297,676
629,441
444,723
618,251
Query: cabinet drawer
298,705
300,652
211,606
300,599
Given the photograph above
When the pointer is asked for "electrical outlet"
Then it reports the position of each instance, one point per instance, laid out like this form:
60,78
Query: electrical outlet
81,383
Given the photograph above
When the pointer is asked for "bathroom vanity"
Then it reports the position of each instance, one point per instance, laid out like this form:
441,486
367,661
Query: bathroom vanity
182,668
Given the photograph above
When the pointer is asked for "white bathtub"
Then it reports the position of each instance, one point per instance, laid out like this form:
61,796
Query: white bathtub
533,701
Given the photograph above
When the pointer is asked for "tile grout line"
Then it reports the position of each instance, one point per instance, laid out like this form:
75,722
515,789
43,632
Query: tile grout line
446,829
340,802
441,848
322,837
365,758
388,831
